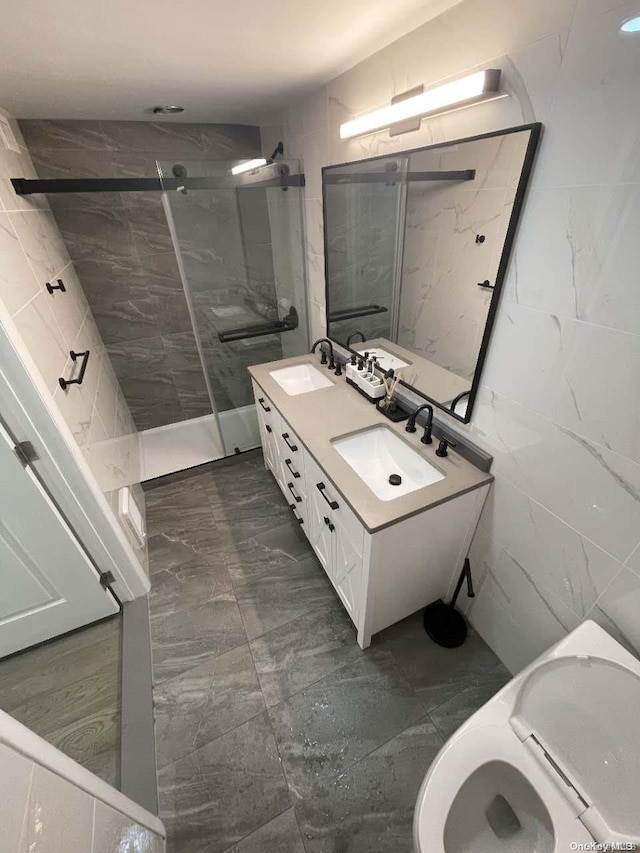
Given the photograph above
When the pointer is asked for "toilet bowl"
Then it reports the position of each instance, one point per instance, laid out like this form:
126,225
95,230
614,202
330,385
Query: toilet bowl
551,762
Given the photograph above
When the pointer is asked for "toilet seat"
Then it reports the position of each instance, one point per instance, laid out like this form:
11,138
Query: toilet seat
457,761
558,746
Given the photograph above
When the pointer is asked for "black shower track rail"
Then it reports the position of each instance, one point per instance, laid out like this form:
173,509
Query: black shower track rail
29,186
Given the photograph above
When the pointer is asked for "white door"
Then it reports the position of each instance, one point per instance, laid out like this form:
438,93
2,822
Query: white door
48,585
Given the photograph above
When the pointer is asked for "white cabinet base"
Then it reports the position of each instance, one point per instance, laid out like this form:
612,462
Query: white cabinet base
380,577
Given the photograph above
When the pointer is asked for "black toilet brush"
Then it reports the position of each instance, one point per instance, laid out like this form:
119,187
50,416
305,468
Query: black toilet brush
442,622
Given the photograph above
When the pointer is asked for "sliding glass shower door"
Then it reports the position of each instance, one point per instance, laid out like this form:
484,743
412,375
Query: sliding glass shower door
239,245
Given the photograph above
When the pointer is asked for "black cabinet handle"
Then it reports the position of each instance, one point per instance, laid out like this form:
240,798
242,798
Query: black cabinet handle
300,520
298,499
321,487
261,401
268,428
287,462
293,447
331,526
64,383
59,286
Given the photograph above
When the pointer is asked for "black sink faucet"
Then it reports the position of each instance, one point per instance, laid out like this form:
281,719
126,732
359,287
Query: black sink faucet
352,336
411,423
323,360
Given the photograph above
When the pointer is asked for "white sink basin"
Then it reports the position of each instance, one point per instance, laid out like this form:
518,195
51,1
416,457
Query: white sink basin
386,360
300,379
377,453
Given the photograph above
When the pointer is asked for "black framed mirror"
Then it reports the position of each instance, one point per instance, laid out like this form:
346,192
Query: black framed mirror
416,250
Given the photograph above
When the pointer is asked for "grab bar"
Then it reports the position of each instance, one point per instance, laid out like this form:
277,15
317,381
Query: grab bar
352,313
64,383
258,330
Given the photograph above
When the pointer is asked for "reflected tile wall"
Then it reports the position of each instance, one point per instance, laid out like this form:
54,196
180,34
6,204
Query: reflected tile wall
559,408
122,249
33,252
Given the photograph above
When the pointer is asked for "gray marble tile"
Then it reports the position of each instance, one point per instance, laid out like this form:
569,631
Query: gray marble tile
246,498
222,141
149,228
250,559
192,582
473,694
78,135
280,835
370,806
159,138
203,703
290,658
224,791
193,635
130,320
96,231
325,729
113,280
283,595
438,674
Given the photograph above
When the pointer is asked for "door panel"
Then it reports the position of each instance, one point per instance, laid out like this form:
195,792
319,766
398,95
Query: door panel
49,586
318,531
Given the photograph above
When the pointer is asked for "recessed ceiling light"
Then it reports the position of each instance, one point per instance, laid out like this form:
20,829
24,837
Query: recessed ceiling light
168,109
631,25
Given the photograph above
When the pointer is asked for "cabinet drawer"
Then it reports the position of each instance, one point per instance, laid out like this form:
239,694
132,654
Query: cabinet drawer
318,481
289,443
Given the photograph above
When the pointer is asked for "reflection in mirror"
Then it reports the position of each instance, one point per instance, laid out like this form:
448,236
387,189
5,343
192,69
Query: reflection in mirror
416,246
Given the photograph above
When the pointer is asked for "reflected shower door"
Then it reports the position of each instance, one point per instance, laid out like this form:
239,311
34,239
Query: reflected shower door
239,245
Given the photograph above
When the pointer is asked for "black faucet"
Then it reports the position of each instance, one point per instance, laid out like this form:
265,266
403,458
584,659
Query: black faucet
323,360
411,423
352,335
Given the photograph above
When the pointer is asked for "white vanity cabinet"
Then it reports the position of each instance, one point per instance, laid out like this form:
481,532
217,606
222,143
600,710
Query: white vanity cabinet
381,576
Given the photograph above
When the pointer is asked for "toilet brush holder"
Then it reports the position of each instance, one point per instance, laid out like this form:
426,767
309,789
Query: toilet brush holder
442,622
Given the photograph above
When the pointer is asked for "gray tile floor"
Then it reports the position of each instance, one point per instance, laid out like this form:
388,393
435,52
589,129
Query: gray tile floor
68,692
275,732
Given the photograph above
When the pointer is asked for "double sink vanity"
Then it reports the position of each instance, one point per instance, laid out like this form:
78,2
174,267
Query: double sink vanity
389,521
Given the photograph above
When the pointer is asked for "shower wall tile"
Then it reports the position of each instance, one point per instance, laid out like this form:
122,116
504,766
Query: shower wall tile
33,252
122,249
559,404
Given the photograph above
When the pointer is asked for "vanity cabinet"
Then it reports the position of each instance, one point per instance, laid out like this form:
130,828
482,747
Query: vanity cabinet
381,576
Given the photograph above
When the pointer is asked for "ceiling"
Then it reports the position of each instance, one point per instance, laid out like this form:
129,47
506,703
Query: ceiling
231,61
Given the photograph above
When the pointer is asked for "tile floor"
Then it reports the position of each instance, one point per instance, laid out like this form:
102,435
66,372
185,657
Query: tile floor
275,732
68,692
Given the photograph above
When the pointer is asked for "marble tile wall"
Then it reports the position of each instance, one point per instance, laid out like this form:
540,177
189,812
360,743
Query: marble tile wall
122,249
442,310
41,811
33,252
559,540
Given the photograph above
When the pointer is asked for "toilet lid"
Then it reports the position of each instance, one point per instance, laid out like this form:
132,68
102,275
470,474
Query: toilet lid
584,712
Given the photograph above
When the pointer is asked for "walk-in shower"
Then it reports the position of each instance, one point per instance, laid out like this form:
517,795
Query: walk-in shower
182,358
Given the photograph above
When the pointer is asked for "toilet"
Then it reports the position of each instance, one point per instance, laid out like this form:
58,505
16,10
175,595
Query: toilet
550,763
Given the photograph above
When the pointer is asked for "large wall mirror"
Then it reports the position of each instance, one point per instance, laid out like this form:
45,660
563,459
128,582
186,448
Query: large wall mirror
416,248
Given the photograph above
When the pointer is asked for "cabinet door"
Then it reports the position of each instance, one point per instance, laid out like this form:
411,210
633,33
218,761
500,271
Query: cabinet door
319,531
347,571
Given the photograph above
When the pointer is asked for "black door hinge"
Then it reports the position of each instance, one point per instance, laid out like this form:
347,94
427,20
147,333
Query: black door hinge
106,579
26,453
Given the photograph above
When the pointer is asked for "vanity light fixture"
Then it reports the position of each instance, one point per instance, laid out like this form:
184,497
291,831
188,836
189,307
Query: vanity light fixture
631,26
248,166
472,89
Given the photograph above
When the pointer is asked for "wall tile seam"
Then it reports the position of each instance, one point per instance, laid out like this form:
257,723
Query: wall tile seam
558,316
548,595
572,433
41,284
483,525
27,800
92,848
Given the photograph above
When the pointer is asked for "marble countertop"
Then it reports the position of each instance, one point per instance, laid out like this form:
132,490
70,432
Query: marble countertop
319,417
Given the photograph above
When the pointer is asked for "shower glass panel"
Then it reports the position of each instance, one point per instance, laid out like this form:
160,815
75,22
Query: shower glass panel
364,220
239,245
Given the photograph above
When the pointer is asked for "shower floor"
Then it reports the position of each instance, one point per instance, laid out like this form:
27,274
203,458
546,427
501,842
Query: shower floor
275,732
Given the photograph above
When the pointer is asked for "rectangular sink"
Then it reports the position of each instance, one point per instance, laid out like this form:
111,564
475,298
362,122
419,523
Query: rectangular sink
378,453
300,379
